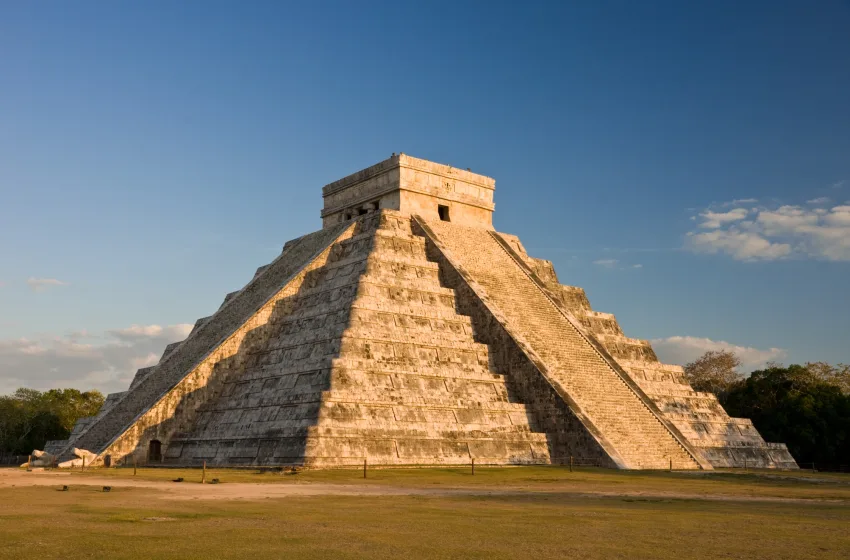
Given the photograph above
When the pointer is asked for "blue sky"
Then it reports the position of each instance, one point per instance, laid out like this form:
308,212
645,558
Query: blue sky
687,163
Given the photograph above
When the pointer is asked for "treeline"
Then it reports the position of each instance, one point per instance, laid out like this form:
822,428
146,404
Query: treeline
29,418
806,406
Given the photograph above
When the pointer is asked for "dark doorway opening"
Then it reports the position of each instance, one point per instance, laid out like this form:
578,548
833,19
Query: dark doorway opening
155,451
443,211
107,461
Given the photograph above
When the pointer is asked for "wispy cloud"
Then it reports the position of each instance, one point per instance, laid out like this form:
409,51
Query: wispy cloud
769,233
839,184
141,332
42,284
105,361
614,264
684,349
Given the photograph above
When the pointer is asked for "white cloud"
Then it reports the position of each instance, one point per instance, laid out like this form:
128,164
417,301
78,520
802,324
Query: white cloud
741,245
684,349
41,284
606,262
140,332
712,220
786,231
80,359
637,266
838,184
818,200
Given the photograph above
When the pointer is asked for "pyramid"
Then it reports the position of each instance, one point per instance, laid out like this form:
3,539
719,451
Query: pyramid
407,331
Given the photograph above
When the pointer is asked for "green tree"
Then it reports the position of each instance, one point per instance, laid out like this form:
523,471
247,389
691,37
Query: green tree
714,372
834,375
28,418
794,406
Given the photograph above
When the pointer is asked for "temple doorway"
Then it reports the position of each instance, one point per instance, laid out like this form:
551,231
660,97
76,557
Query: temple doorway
155,451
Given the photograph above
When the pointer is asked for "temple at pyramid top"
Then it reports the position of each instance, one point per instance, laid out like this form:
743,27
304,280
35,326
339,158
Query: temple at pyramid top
412,186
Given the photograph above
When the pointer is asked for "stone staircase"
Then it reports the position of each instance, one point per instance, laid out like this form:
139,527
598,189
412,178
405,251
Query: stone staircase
699,417
623,419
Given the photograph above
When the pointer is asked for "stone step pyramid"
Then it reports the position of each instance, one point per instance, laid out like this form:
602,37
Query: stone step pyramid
408,332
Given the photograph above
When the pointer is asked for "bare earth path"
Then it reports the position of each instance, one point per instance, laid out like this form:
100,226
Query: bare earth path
169,490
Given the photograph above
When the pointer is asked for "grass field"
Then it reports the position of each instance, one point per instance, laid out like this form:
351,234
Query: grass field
533,512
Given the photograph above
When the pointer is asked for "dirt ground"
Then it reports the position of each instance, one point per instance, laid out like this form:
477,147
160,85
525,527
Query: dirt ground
169,490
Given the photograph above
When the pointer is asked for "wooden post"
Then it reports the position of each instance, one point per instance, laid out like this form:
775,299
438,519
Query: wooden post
84,463
134,464
671,464
571,463
473,466
364,468
29,463
204,475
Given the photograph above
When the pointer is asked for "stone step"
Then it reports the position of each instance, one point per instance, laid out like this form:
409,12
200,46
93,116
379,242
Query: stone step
407,354
169,349
658,389
456,432
433,369
409,308
429,392
418,337
199,323
140,375
600,324
343,299
415,378
344,290
374,338
651,366
380,241
228,297
403,238
401,282
381,261
456,324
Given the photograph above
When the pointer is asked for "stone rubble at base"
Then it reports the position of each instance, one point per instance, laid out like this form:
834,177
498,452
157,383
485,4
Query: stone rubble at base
408,332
